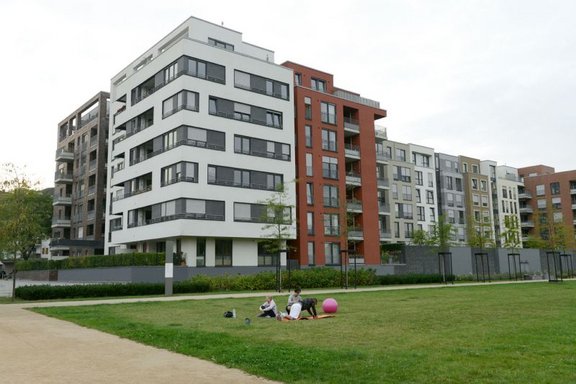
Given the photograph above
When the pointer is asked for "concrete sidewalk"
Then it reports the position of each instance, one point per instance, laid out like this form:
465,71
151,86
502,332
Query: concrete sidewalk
40,349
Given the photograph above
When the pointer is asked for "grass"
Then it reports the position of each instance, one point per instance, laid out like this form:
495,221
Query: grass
517,333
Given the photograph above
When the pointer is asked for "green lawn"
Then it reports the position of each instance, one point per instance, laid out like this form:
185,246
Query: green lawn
517,333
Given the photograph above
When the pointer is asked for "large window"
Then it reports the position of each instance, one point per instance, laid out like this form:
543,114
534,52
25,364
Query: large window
540,190
178,172
262,148
265,257
329,167
244,112
328,112
307,108
243,178
220,44
330,195
311,253
329,140
318,85
308,135
309,193
555,188
310,222
331,224
332,253
182,100
201,252
260,84
223,252
309,166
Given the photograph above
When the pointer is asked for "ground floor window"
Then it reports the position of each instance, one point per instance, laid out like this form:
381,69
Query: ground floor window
223,252
201,252
265,257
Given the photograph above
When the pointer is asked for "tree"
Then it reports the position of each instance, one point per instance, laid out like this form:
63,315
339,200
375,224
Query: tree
442,234
26,215
511,234
480,234
277,216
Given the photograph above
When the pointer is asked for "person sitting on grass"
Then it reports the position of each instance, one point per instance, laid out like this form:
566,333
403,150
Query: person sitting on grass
293,298
268,309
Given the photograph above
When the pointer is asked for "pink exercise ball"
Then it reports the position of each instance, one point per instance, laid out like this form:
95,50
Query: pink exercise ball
329,306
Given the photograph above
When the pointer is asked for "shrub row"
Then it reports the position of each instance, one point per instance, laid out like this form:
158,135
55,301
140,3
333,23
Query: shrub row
122,260
413,279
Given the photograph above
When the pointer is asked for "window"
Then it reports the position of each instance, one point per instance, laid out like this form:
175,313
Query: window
430,197
541,203
484,201
540,190
331,224
182,100
223,252
297,79
459,201
421,214
555,188
475,199
252,213
261,148
243,178
556,203
328,140
308,135
318,85
449,185
450,199
483,185
309,193
458,184
220,44
309,167
201,252
328,112
332,253
419,178
330,167
307,108
407,192
475,184
310,222
170,72
330,195
418,196
179,172
244,112
260,84
265,257
400,154
474,168
311,253
403,211
408,230
432,214
394,191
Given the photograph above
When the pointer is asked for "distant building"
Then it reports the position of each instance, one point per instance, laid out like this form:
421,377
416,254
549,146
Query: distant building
451,194
202,135
547,200
80,180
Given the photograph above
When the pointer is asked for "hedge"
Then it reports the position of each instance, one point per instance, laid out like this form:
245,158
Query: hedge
122,260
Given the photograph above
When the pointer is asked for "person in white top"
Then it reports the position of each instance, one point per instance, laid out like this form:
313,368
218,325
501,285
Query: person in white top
268,309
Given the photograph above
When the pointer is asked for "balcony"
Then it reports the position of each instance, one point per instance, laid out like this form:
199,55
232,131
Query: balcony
383,157
355,233
353,205
63,154
61,223
351,124
382,182
63,177
524,195
384,235
353,178
526,209
356,98
527,224
351,150
383,208
62,200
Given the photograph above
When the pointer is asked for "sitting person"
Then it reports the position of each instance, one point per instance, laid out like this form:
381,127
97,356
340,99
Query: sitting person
268,309
310,306
294,314
293,298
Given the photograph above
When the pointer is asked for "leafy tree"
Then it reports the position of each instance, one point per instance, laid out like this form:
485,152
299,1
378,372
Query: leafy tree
277,216
420,237
511,234
442,234
26,215
480,234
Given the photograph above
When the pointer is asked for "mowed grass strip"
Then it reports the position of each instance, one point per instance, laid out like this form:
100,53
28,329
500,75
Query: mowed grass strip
516,333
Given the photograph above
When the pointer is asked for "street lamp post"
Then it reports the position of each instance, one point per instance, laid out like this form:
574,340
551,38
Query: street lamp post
343,263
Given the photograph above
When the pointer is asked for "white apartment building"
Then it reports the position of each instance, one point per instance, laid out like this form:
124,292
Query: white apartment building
504,184
425,184
202,135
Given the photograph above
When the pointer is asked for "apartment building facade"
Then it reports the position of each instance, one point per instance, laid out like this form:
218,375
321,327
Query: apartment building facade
337,170
548,203
425,187
451,194
80,180
202,136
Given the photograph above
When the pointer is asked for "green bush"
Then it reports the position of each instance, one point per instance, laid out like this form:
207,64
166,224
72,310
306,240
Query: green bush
98,261
413,279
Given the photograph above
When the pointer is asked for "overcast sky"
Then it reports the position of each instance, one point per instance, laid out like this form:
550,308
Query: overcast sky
492,79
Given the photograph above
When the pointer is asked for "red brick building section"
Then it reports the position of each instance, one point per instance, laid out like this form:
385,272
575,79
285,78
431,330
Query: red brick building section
552,189
337,204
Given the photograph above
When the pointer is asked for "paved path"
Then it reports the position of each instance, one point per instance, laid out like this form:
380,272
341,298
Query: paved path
38,349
